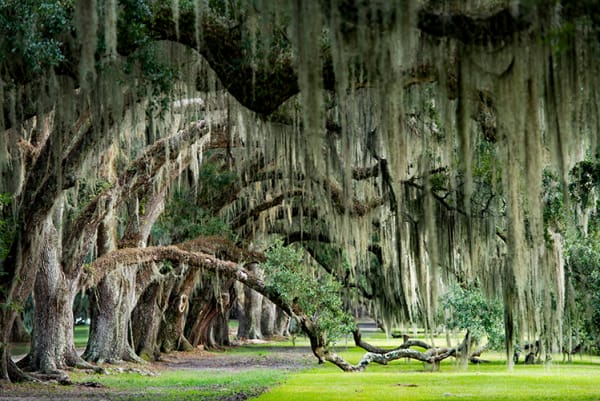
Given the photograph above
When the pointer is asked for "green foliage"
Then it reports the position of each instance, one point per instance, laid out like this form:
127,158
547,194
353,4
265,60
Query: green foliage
439,181
574,13
7,227
156,77
147,66
30,34
470,310
583,260
184,220
212,180
584,180
132,24
14,306
554,212
316,295
487,167
487,178
89,189
190,211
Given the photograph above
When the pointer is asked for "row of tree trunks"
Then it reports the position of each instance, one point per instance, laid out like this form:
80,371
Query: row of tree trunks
208,320
258,317
246,275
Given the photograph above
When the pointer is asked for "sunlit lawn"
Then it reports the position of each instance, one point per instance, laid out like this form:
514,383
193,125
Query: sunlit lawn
413,380
395,382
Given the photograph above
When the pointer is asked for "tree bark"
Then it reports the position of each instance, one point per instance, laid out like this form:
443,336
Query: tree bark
210,326
172,335
52,341
252,310
267,318
115,296
282,323
111,304
146,322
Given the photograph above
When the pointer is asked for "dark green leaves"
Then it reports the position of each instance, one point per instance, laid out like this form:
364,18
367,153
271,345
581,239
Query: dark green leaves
317,295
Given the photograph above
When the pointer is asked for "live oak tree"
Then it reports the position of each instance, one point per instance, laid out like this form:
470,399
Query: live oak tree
360,123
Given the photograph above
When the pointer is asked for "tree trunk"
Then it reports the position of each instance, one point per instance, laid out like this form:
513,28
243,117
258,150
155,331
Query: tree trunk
282,323
52,342
171,335
6,320
210,326
240,310
111,303
220,329
113,299
13,294
267,318
250,328
145,322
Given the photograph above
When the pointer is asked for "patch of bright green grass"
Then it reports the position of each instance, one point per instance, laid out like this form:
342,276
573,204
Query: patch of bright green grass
412,380
80,334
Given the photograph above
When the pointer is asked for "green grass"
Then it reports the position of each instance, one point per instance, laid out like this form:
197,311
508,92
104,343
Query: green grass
80,334
185,384
405,380
413,381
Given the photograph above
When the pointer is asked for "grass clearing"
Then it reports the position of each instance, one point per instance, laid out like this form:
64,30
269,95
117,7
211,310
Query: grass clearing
413,380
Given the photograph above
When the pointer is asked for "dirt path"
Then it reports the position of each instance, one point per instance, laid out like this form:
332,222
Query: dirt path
281,358
287,358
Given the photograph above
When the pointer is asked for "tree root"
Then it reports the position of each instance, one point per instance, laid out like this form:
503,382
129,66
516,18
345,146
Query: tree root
17,375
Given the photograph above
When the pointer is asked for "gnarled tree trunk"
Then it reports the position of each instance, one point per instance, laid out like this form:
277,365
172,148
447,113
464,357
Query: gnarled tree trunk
171,334
111,303
209,322
115,296
145,322
52,341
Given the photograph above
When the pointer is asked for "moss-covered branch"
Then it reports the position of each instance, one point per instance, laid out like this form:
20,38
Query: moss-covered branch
139,174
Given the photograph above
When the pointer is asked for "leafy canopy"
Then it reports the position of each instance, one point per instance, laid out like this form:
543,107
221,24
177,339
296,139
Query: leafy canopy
318,296
470,310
